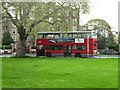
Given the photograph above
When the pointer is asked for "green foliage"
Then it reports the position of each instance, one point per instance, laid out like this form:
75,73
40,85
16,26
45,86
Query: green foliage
33,47
104,33
6,47
14,49
59,73
7,39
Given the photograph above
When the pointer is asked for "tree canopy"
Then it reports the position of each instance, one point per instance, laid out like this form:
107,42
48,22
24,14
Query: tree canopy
104,33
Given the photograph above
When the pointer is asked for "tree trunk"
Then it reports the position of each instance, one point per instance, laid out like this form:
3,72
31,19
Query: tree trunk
21,47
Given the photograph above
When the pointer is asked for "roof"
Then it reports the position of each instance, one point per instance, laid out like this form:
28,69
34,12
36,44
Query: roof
65,32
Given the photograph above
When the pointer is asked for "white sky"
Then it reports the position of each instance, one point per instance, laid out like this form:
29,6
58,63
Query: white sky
103,9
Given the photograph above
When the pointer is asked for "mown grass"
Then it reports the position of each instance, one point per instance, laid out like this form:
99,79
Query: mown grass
59,73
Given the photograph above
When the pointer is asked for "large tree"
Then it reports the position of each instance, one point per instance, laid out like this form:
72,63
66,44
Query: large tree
104,33
26,15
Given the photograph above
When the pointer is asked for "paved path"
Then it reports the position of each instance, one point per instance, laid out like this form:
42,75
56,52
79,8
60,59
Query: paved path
107,56
100,56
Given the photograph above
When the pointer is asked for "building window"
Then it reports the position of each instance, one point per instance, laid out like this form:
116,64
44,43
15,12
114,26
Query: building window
74,28
75,21
4,28
58,28
74,13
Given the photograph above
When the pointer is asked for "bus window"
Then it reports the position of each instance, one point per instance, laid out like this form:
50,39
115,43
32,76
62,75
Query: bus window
79,35
49,47
70,36
40,36
48,36
83,47
78,47
84,35
40,50
57,36
40,47
75,35
94,35
58,47
54,47
64,35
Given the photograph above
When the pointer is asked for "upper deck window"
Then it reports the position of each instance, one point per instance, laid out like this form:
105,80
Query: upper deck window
67,35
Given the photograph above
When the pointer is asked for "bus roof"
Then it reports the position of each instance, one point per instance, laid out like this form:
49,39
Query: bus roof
65,32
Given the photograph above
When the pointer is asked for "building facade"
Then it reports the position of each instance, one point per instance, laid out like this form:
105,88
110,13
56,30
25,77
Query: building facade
7,25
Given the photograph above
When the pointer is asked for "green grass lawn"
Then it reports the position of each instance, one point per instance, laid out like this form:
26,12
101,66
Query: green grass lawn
59,73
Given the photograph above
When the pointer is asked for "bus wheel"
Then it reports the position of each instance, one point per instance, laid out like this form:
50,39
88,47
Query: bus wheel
48,54
77,55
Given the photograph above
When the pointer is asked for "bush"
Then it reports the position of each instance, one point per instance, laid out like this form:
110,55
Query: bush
6,47
14,49
7,39
33,47
118,53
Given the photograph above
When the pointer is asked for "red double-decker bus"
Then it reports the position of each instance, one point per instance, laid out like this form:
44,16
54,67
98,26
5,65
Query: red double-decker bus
78,44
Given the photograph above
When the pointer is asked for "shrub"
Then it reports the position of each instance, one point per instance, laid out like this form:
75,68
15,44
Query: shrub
14,49
6,47
7,39
33,47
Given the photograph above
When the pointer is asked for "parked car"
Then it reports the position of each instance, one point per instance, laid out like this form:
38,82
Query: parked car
1,52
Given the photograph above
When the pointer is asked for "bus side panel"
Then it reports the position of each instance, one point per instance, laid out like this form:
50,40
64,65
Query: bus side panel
82,52
91,47
95,47
54,51
42,41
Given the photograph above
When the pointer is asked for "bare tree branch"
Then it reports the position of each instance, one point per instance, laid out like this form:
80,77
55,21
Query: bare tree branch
15,22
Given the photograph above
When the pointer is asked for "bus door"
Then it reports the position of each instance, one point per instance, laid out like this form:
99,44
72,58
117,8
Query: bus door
67,50
40,50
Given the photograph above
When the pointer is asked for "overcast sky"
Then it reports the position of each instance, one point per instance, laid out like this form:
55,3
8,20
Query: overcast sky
103,9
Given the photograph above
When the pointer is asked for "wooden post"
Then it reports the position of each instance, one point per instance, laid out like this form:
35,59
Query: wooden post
30,48
12,48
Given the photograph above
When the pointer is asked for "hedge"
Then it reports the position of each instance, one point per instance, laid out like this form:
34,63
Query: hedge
5,47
